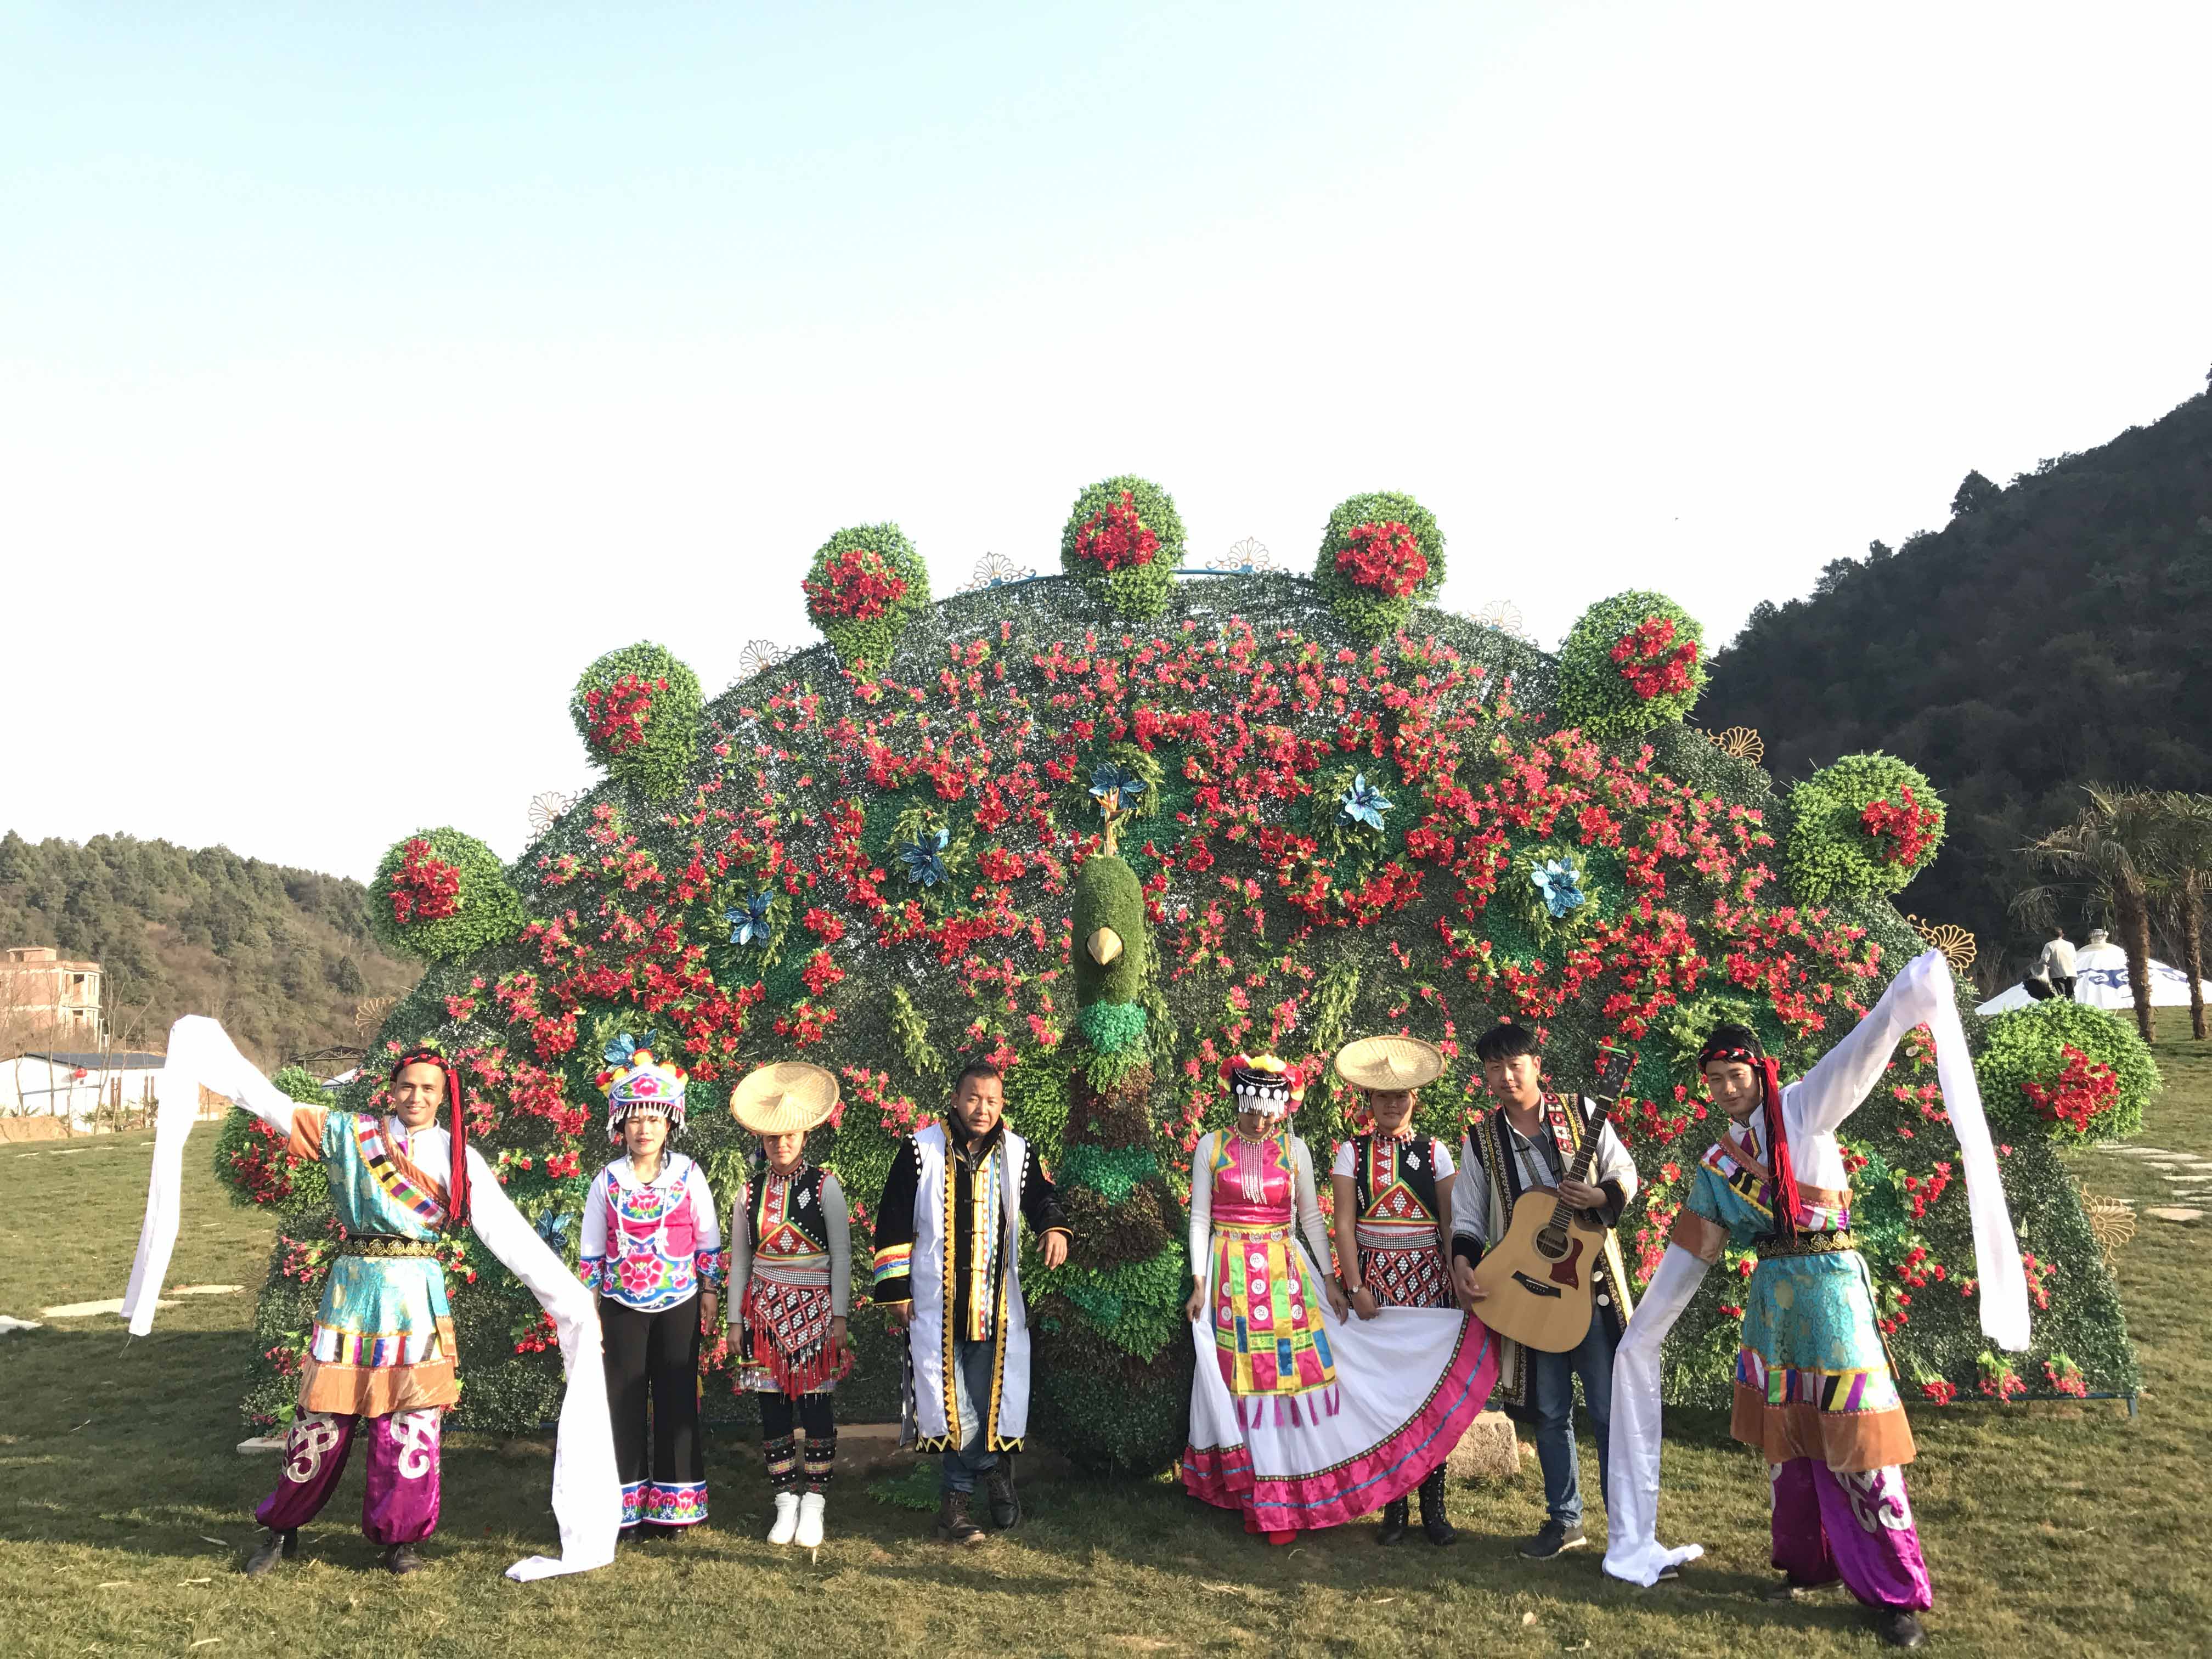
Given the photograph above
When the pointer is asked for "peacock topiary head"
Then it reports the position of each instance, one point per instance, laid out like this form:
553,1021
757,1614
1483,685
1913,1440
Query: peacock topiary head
1109,932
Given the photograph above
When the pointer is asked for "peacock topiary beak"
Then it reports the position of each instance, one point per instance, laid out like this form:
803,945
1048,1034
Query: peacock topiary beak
1104,946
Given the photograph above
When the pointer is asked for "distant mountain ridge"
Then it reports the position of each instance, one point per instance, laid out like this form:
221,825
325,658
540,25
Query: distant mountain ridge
2056,632
282,957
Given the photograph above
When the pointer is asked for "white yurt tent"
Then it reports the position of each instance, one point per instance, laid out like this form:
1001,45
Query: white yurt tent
2100,979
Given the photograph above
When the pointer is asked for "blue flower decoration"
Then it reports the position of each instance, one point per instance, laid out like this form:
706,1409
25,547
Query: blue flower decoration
1560,886
619,1052
749,922
923,859
1362,804
1110,782
553,1226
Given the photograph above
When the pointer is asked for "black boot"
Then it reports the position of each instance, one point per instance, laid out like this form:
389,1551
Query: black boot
276,1547
1438,1529
999,1487
401,1558
953,1525
1900,1628
1393,1522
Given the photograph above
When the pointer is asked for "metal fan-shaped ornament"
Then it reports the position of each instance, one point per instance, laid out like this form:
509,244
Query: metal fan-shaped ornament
1504,616
367,1016
996,570
758,656
1739,743
1249,557
2111,1222
545,810
1956,943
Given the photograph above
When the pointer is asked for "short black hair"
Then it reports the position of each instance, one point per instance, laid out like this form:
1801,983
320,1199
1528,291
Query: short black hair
1506,1041
2059,930
1730,1035
977,1067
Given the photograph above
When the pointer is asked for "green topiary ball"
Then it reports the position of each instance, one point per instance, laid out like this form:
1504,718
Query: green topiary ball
255,1166
1866,825
1380,554
866,584
440,893
2077,1071
1633,662
1124,540
637,710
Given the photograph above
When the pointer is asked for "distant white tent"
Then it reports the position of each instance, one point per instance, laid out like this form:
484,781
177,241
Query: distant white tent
2100,979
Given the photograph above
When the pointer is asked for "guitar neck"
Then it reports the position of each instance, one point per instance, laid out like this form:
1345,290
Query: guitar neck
1578,1170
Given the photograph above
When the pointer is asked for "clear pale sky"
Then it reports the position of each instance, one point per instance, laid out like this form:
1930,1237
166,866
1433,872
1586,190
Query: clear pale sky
366,371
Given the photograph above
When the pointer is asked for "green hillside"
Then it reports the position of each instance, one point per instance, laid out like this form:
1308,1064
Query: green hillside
283,957
2056,632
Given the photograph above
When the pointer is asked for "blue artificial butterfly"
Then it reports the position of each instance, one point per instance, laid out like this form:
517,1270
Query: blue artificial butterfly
923,859
749,923
1363,804
1559,885
623,1047
1114,785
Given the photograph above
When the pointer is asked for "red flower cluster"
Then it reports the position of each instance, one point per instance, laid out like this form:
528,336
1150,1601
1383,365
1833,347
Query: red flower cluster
2086,1089
1385,558
2064,1375
424,888
1116,538
1901,833
858,584
1650,661
1940,1392
618,714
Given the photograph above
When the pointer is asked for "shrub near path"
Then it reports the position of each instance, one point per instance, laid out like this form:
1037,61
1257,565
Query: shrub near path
2052,1529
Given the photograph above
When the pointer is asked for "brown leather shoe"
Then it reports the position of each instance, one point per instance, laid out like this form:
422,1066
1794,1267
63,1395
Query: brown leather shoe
953,1523
274,1547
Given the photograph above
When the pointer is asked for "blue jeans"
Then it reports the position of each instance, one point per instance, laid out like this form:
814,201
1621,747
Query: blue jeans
1552,1408
971,1371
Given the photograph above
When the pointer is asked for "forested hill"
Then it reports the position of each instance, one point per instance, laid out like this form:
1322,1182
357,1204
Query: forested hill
2058,631
283,957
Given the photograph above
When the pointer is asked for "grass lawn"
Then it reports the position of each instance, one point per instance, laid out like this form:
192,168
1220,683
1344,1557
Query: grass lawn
2050,1529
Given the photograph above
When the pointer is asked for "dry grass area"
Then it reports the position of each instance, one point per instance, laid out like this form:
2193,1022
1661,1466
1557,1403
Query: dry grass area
2052,1529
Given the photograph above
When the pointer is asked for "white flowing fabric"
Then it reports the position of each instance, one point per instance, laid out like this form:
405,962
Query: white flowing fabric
1922,994
586,1492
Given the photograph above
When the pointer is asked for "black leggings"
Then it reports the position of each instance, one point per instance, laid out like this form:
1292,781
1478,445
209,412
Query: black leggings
781,1447
654,1357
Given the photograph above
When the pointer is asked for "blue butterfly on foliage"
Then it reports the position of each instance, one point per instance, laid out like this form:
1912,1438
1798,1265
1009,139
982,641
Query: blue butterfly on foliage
1114,785
923,858
1363,804
623,1047
1560,886
749,922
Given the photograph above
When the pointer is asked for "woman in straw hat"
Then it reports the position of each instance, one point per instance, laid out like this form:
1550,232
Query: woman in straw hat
1297,1418
1393,1190
651,1248
791,1286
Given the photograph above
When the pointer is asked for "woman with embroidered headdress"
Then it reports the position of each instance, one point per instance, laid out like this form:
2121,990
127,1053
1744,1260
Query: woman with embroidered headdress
791,1288
651,1248
1298,1417
1814,1389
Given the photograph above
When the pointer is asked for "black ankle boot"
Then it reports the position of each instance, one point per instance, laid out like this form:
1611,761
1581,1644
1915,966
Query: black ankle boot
953,1524
1393,1522
1439,1530
276,1547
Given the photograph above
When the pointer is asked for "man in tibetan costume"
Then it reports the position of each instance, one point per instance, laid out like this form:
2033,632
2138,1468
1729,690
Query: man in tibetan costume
380,1359
1299,1417
1393,1188
791,1288
948,1267
1528,1142
1815,1390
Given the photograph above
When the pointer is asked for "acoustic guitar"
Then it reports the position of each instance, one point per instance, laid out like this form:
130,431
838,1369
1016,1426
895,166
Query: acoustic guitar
1541,1277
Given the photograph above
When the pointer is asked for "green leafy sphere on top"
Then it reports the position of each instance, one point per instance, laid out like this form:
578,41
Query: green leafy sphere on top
865,585
637,711
2028,1046
1124,540
1634,662
438,894
1357,541
1836,853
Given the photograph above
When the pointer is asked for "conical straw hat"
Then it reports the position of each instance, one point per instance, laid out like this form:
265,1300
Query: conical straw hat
1390,1063
785,1097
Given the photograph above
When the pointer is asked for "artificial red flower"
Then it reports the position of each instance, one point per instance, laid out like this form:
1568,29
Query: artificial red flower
1386,558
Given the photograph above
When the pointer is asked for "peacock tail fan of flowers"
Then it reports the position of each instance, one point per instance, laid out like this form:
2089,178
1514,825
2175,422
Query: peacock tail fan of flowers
1253,915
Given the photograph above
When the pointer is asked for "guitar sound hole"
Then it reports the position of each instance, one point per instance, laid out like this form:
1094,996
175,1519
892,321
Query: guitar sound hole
1552,1243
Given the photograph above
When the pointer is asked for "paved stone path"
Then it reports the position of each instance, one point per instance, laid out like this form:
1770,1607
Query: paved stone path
2187,1175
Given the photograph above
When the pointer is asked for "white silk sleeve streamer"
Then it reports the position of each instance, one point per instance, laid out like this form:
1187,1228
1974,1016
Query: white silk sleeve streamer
1201,1210
1632,1496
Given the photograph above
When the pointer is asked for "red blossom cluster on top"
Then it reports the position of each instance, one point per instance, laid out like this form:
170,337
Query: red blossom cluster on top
424,888
616,715
1901,830
1385,558
2086,1089
858,584
1116,538
1650,661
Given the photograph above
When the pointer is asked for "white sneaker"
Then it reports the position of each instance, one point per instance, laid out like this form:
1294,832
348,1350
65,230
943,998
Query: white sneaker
810,1520
786,1518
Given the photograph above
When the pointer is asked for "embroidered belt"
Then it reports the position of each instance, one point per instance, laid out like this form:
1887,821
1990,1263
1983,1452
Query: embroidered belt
380,1245
1253,1230
1808,1244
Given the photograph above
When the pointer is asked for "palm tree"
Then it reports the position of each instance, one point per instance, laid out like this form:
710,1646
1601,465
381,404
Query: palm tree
2117,850
2188,877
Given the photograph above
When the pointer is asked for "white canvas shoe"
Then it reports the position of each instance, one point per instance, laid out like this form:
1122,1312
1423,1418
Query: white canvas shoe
810,1520
786,1518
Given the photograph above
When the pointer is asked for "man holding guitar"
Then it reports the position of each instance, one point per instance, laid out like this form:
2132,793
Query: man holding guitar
1558,1279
